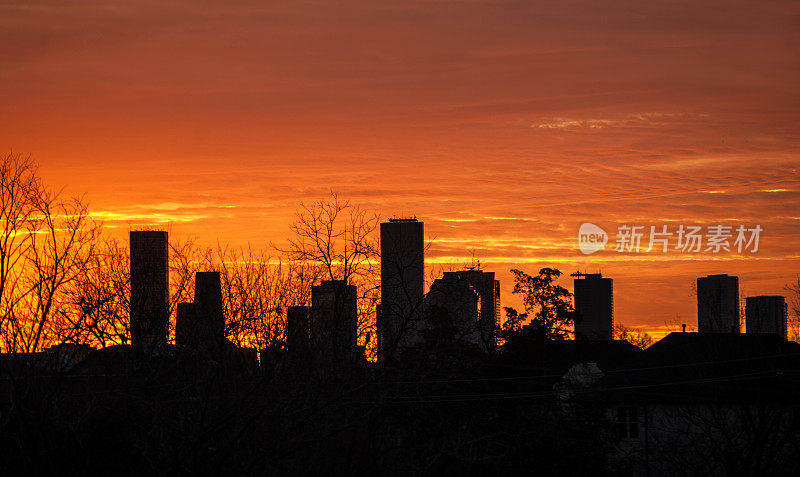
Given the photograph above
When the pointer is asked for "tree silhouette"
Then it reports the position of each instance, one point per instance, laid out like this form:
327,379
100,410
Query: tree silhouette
634,336
339,240
97,302
547,304
726,439
47,242
793,320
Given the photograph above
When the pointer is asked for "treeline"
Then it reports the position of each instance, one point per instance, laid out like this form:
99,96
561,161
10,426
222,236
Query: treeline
63,281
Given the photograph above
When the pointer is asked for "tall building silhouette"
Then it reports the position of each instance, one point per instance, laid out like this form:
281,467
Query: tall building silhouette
718,304
489,290
594,304
202,324
766,314
334,318
185,328
208,306
453,304
298,328
149,290
402,283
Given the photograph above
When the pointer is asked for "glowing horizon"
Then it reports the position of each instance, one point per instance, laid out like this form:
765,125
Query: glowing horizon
502,125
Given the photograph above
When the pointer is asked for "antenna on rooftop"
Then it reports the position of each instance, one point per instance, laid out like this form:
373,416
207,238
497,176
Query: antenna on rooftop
580,274
474,264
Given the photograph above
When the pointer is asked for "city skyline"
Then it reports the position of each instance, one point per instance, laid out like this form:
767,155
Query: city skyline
418,237
504,127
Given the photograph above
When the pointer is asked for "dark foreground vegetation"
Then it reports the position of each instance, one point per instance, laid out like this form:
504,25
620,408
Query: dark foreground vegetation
443,411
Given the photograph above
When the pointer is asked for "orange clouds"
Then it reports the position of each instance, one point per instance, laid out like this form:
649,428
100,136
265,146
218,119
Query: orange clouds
503,125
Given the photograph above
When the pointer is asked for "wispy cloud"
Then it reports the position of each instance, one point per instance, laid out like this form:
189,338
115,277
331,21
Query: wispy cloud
504,125
153,217
630,120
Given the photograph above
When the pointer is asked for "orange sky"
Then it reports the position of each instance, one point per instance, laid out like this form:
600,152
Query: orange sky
504,125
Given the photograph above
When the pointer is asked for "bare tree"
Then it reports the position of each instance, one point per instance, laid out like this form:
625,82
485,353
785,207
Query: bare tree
336,235
677,324
19,187
725,439
340,239
63,244
97,305
186,258
257,290
49,242
634,336
793,320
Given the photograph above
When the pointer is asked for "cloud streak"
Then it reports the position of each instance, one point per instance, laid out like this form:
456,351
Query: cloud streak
504,125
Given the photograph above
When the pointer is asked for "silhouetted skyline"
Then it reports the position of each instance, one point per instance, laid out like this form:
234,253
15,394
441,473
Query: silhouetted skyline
436,347
324,238
517,121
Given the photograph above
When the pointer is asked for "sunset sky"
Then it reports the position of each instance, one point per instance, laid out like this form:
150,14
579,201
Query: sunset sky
503,125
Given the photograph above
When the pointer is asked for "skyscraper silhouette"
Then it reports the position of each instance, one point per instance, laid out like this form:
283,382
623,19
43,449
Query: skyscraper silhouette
149,290
202,324
185,324
298,329
402,283
718,304
489,290
334,318
594,304
208,306
766,314
459,306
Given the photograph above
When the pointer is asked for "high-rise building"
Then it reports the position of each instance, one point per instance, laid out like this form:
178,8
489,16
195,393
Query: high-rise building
489,290
718,304
298,328
402,284
185,324
208,305
766,314
202,324
149,290
454,306
594,305
378,321
334,318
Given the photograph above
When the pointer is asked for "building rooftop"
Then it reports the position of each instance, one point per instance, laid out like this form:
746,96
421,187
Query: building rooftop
586,275
712,367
